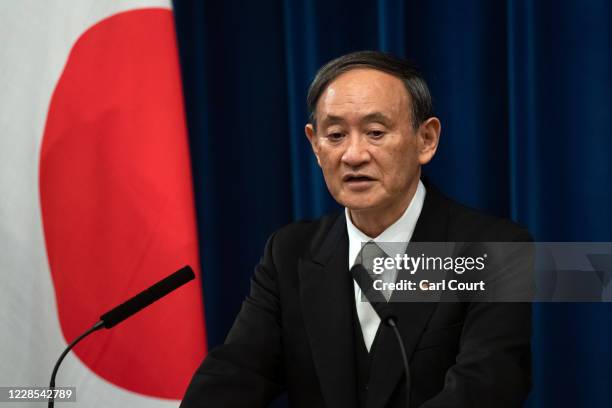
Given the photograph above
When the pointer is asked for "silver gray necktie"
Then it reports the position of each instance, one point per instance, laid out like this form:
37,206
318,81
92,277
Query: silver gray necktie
369,252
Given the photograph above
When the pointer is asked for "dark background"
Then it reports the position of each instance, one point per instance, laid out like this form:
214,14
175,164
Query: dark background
524,93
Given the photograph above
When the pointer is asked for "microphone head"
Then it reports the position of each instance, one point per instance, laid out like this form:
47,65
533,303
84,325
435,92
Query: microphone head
376,298
147,296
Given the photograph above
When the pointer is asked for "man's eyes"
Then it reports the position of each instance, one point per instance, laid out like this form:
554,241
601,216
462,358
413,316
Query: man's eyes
335,136
376,134
372,134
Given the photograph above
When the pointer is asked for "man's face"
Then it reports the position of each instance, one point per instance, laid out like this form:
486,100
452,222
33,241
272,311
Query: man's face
365,143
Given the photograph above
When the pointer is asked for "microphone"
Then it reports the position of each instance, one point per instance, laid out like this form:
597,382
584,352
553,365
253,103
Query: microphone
126,309
146,297
385,311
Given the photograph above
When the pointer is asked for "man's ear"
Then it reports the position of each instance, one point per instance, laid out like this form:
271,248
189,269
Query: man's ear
311,134
428,136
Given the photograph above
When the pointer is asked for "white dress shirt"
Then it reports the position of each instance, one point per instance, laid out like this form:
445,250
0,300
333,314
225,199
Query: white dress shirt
399,233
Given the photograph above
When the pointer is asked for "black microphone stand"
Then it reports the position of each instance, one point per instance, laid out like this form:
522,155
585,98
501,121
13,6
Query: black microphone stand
391,322
94,328
386,314
126,309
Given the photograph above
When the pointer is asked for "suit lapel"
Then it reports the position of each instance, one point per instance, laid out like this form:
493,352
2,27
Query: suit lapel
326,288
387,368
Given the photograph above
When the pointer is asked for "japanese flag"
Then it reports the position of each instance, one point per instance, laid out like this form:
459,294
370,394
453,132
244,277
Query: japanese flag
96,200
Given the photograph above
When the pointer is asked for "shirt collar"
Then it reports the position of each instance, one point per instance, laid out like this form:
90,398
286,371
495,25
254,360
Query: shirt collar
399,233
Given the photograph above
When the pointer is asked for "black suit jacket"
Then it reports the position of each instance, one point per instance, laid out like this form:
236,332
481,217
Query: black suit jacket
294,331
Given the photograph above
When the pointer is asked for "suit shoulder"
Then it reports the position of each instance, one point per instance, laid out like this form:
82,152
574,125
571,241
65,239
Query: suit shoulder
299,236
466,223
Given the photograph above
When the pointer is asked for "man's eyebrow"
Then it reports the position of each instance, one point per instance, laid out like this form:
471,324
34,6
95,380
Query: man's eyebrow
332,120
370,117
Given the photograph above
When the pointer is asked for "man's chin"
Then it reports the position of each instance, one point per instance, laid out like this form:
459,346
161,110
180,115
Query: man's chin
360,201
360,204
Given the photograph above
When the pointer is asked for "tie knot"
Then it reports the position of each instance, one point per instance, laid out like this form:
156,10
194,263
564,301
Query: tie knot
370,251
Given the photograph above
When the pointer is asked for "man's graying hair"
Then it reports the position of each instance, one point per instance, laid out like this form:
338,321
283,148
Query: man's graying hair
420,98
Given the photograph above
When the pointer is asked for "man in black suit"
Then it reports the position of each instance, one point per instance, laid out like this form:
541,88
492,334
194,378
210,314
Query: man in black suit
304,328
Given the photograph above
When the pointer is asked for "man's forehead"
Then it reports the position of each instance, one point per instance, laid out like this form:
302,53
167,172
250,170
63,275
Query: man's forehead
363,79
367,93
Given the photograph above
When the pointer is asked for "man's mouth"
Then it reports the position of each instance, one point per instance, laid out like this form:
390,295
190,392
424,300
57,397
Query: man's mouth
358,181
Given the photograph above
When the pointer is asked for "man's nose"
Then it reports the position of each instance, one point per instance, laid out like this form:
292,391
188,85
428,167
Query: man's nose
356,152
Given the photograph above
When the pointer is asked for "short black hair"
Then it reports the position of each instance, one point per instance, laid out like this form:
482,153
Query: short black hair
408,73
